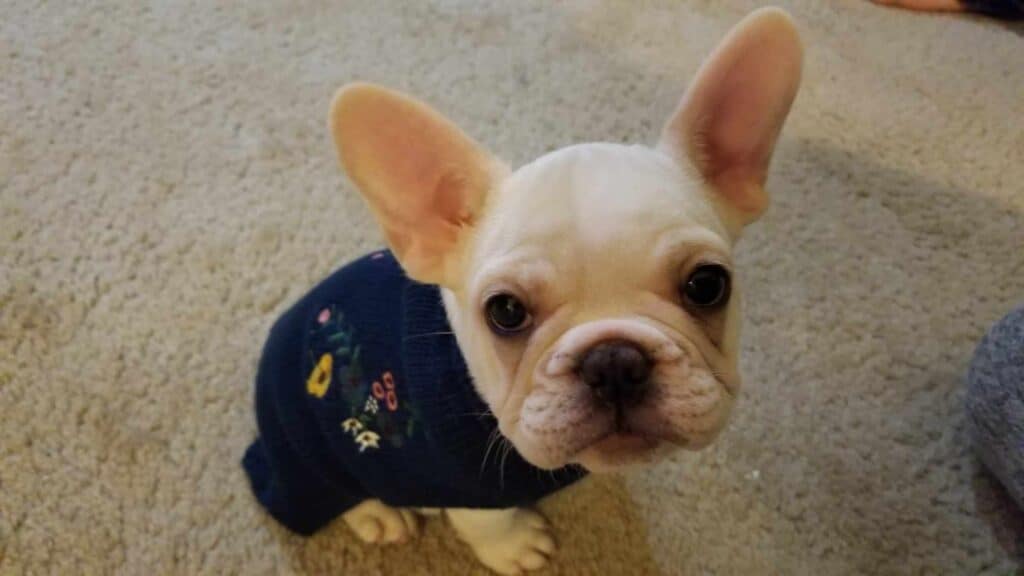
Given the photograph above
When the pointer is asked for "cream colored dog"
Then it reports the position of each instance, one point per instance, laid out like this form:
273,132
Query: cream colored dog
592,291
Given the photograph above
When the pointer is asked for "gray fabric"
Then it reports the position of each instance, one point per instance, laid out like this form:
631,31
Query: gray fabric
995,402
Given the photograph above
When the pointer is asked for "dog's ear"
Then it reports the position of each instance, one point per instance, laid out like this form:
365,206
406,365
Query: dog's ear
424,179
730,117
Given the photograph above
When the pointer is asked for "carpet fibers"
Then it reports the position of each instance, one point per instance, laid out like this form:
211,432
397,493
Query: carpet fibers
167,187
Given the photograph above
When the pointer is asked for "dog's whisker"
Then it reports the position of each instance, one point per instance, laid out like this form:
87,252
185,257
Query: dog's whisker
428,334
501,468
495,435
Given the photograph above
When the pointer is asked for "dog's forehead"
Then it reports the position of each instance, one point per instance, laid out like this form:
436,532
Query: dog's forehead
600,198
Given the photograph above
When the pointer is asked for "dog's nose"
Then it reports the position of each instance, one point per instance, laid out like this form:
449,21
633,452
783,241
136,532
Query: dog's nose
617,371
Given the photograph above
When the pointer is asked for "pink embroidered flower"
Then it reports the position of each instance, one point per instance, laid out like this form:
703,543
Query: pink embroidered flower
391,397
324,316
378,390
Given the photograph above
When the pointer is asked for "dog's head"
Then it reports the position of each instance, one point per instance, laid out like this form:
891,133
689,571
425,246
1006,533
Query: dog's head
592,291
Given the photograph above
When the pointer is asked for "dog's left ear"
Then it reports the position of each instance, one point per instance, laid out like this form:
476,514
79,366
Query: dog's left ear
730,117
424,179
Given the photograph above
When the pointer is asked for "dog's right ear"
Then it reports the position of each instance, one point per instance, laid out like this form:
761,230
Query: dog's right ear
424,179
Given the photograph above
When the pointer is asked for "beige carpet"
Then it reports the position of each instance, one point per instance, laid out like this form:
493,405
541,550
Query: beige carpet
168,187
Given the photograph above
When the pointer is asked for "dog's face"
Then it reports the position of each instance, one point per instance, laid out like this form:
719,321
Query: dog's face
597,307
592,291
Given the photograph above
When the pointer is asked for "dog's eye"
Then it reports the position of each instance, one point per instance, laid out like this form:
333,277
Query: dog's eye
506,314
707,286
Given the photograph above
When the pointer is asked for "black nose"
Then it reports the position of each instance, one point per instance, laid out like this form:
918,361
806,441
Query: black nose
616,371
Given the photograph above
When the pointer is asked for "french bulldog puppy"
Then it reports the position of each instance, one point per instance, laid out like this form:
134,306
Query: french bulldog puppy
579,313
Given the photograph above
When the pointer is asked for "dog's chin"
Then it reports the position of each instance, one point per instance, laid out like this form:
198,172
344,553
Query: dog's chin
620,450
601,449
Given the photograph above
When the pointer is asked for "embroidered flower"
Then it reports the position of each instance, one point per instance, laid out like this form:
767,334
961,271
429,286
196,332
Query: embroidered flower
324,316
371,405
390,395
352,425
320,379
378,390
367,439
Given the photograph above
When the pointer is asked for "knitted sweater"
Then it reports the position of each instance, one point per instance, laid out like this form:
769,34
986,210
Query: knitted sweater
362,392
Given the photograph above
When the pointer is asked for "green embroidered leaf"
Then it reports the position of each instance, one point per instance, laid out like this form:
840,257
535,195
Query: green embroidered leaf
413,410
353,399
355,370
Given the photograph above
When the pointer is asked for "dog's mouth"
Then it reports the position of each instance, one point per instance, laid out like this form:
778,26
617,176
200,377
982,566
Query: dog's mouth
569,426
598,437
624,433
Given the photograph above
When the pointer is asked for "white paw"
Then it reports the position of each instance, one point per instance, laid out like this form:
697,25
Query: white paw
375,522
520,544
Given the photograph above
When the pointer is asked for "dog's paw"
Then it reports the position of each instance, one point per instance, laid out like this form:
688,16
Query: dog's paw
516,543
375,522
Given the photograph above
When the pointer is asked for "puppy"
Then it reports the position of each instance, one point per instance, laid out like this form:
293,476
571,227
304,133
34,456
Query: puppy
578,314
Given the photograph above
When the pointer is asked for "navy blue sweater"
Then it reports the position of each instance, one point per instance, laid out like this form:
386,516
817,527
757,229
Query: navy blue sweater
362,393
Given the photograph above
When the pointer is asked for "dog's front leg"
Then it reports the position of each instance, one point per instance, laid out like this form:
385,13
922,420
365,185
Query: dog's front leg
508,541
374,522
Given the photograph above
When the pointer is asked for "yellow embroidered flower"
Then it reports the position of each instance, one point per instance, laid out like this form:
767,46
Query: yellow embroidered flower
320,379
352,425
367,439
